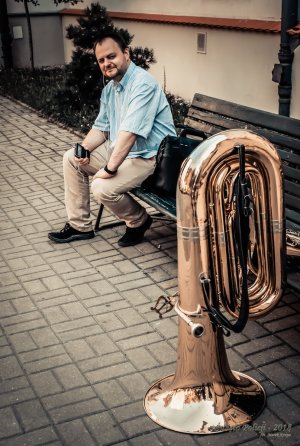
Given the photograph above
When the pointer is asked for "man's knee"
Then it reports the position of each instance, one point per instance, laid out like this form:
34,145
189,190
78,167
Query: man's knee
102,191
68,157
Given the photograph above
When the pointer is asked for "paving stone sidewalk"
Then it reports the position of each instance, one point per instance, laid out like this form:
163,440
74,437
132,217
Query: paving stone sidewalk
79,345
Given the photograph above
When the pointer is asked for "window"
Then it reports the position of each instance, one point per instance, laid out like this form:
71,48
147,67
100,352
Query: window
201,42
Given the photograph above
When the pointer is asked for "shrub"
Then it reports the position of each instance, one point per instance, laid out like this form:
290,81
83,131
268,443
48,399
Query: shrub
84,81
39,89
35,88
179,107
70,94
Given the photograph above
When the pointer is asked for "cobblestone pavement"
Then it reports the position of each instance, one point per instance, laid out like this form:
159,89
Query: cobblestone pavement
79,345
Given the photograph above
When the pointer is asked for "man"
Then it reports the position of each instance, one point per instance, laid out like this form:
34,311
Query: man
134,118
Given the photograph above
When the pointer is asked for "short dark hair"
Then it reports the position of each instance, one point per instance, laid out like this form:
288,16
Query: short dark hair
117,37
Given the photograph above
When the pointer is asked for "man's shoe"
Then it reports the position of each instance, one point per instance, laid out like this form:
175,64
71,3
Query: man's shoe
133,236
69,234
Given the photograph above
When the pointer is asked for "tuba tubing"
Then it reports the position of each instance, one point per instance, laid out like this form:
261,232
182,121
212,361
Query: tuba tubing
205,396
202,201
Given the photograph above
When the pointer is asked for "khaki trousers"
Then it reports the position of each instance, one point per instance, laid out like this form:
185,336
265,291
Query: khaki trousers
112,192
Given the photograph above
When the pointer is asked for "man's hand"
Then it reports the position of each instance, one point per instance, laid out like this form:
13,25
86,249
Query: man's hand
102,174
82,161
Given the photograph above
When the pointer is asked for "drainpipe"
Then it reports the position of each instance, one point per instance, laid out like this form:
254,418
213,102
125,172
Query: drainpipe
6,38
282,72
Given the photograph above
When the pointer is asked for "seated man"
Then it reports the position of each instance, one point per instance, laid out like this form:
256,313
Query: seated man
134,118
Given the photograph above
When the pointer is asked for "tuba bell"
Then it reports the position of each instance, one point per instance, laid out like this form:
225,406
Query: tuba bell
226,264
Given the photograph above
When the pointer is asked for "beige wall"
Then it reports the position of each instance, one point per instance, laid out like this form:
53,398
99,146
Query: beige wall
237,65
259,9
44,6
47,41
254,9
295,105
232,68
68,45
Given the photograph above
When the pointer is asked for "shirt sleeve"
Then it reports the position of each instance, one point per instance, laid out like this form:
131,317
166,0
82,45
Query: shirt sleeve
102,121
142,109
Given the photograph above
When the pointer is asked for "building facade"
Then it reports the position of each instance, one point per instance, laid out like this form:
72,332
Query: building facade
222,48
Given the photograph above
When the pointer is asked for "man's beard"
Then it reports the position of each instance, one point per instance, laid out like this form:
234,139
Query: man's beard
118,75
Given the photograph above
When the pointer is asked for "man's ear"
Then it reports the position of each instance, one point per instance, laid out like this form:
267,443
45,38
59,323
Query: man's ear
127,53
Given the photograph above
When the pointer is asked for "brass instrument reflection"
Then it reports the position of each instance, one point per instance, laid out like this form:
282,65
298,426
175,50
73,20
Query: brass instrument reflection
204,395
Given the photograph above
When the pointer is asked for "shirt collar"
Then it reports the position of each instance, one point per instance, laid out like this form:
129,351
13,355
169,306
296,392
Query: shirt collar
123,82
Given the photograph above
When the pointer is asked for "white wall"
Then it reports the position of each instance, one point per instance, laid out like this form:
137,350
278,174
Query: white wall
236,67
254,9
232,68
229,69
295,105
44,6
47,41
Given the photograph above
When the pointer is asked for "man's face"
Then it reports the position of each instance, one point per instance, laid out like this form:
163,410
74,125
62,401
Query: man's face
113,62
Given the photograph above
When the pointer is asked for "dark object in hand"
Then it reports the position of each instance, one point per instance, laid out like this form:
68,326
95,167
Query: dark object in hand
172,152
81,152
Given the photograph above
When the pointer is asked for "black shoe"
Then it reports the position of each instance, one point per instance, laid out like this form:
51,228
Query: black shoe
68,234
133,236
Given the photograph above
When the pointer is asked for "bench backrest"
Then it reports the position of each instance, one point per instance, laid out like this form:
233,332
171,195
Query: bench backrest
214,115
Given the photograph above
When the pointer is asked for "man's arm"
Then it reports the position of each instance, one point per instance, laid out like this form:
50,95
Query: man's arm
124,143
93,139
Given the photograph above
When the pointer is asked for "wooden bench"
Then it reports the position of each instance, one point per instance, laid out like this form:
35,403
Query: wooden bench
213,115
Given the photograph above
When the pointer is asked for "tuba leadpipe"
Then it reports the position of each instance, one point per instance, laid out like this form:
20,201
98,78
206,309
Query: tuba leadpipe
204,395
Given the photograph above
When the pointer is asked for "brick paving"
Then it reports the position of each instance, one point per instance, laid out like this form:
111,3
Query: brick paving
79,345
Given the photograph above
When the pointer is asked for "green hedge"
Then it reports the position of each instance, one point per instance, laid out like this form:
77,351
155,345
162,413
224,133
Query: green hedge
41,90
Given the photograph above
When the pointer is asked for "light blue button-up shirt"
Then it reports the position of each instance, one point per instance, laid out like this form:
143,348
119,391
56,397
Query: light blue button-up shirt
138,105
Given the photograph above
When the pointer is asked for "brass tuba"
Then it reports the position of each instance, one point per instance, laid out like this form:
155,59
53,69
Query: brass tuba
204,395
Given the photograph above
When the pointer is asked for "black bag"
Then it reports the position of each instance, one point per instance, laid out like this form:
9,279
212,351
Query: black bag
172,151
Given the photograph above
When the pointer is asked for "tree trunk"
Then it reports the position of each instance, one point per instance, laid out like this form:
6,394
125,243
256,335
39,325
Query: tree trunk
29,34
6,38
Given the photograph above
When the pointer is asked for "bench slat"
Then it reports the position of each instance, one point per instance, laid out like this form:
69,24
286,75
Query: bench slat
292,173
289,157
292,202
165,205
292,219
286,155
215,123
214,115
291,187
207,128
288,126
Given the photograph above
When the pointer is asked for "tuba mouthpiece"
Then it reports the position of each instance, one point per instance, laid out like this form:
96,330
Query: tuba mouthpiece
197,330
